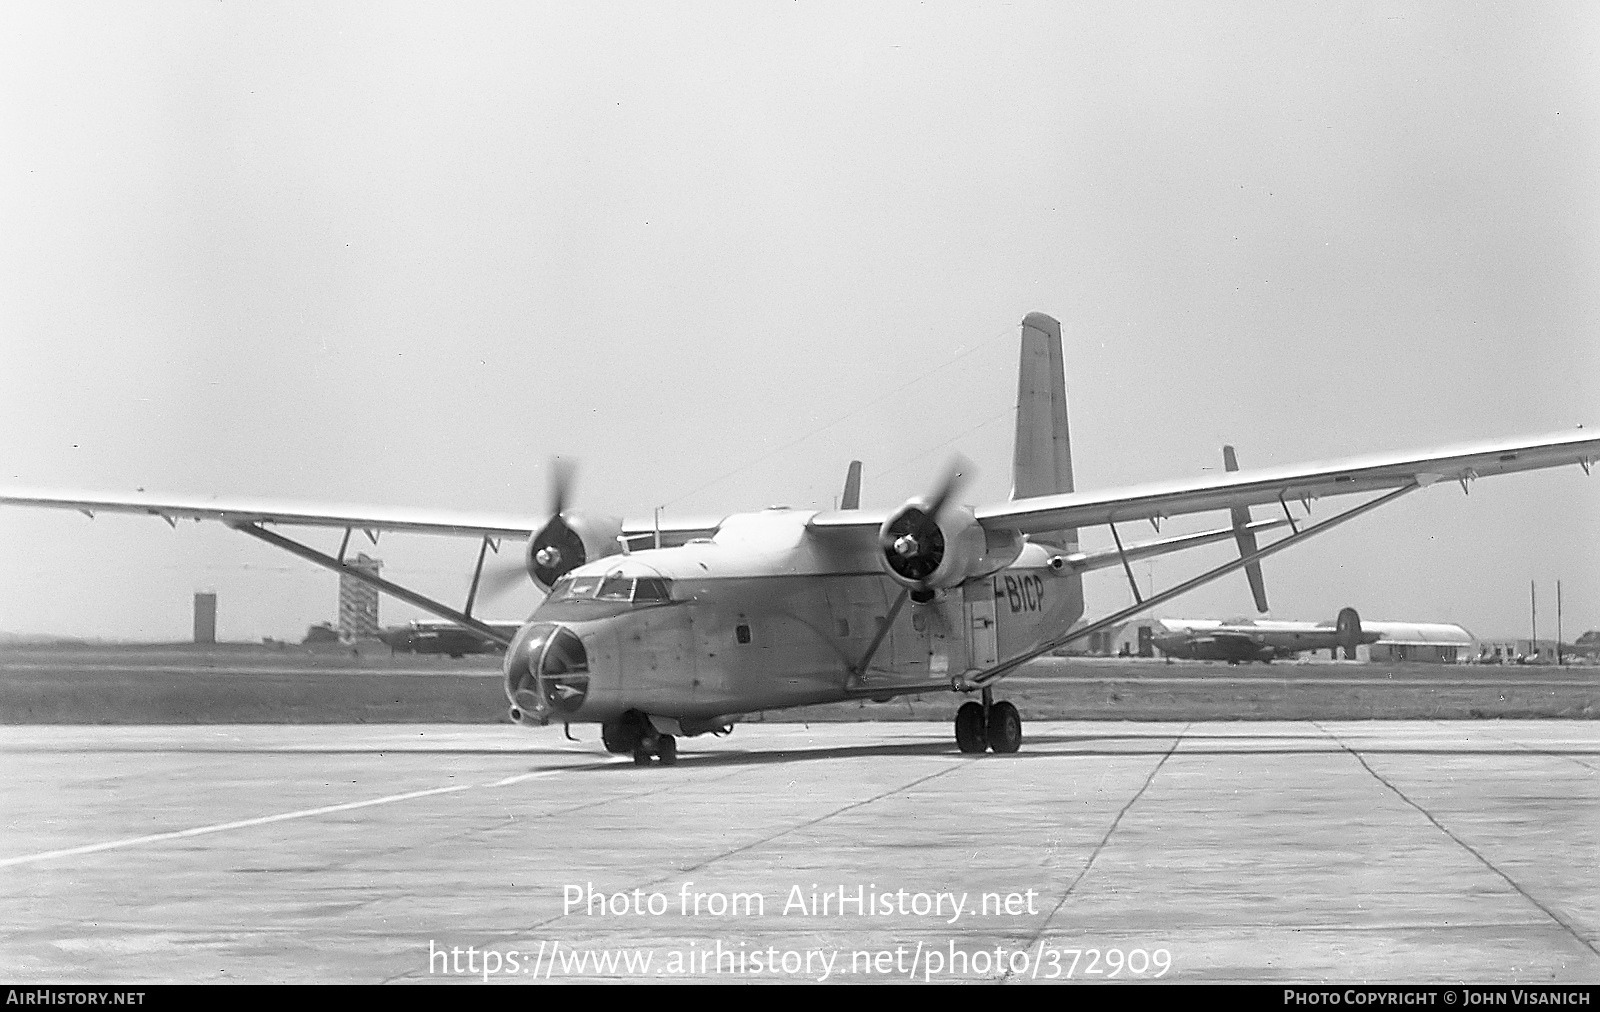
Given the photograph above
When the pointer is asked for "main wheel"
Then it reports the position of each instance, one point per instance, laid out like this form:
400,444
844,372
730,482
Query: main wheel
620,736
969,728
1005,728
641,755
667,749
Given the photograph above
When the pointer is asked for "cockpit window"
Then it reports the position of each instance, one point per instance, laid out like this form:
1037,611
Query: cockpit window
650,588
616,588
583,586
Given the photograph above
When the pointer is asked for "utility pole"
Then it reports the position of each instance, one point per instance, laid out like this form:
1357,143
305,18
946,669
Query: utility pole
1558,623
1533,604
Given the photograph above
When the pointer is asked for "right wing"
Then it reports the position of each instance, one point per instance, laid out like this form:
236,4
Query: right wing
372,519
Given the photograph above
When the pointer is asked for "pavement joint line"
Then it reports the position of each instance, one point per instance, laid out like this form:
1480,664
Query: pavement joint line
951,767
1537,751
1044,925
555,813
1387,683
1464,845
264,820
183,669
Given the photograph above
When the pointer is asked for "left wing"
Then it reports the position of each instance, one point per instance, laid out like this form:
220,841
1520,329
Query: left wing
1252,488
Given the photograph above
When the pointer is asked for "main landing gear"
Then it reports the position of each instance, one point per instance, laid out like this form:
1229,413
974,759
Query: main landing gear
633,732
988,725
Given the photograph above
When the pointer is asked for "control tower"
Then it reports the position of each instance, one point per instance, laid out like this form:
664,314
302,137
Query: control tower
358,602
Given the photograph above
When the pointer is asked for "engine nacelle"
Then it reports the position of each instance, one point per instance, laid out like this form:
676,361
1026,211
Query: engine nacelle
568,541
925,552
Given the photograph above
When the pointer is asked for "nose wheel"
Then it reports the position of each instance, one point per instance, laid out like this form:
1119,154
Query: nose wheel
633,732
624,734
988,725
664,747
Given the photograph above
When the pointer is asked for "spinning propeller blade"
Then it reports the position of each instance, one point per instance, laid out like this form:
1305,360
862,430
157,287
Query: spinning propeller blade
913,539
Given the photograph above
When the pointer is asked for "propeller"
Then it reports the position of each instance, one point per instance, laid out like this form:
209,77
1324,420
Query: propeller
498,578
556,548
912,540
553,550
561,471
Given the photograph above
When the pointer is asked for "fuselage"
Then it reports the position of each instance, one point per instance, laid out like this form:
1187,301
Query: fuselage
762,616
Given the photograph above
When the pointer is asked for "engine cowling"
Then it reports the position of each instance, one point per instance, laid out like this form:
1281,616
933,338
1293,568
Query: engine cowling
927,552
568,541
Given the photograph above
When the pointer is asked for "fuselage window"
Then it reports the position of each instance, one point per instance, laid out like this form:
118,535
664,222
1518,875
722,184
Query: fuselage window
844,627
741,632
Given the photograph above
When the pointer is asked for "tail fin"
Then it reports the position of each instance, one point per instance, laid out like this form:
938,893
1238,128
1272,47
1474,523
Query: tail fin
1042,454
851,500
1347,629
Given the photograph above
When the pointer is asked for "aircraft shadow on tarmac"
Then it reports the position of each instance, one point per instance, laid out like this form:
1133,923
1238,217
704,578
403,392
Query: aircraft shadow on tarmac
929,747
1315,745
1035,748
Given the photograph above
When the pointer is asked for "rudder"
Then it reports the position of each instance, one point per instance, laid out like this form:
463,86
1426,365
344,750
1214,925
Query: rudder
1042,452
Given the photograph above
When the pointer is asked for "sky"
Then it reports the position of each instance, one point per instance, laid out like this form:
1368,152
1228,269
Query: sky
407,254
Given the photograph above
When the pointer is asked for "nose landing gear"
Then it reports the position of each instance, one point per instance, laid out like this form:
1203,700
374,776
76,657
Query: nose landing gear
633,732
664,748
988,725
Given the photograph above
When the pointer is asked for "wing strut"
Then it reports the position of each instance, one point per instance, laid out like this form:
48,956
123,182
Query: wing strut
1287,515
477,572
1245,537
345,568
860,670
1123,555
1009,665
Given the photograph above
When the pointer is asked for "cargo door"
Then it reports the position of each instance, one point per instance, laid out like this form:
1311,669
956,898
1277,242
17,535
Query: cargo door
980,621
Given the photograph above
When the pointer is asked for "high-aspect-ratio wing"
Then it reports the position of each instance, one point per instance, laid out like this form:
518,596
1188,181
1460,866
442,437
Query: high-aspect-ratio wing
1232,637
372,519
1284,484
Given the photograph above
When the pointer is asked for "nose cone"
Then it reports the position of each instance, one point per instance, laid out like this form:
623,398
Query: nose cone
547,671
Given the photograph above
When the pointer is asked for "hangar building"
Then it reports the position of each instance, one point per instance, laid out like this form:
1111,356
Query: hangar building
1433,642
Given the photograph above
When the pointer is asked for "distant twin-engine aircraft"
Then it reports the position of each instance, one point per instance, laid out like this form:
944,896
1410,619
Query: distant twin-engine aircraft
656,631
